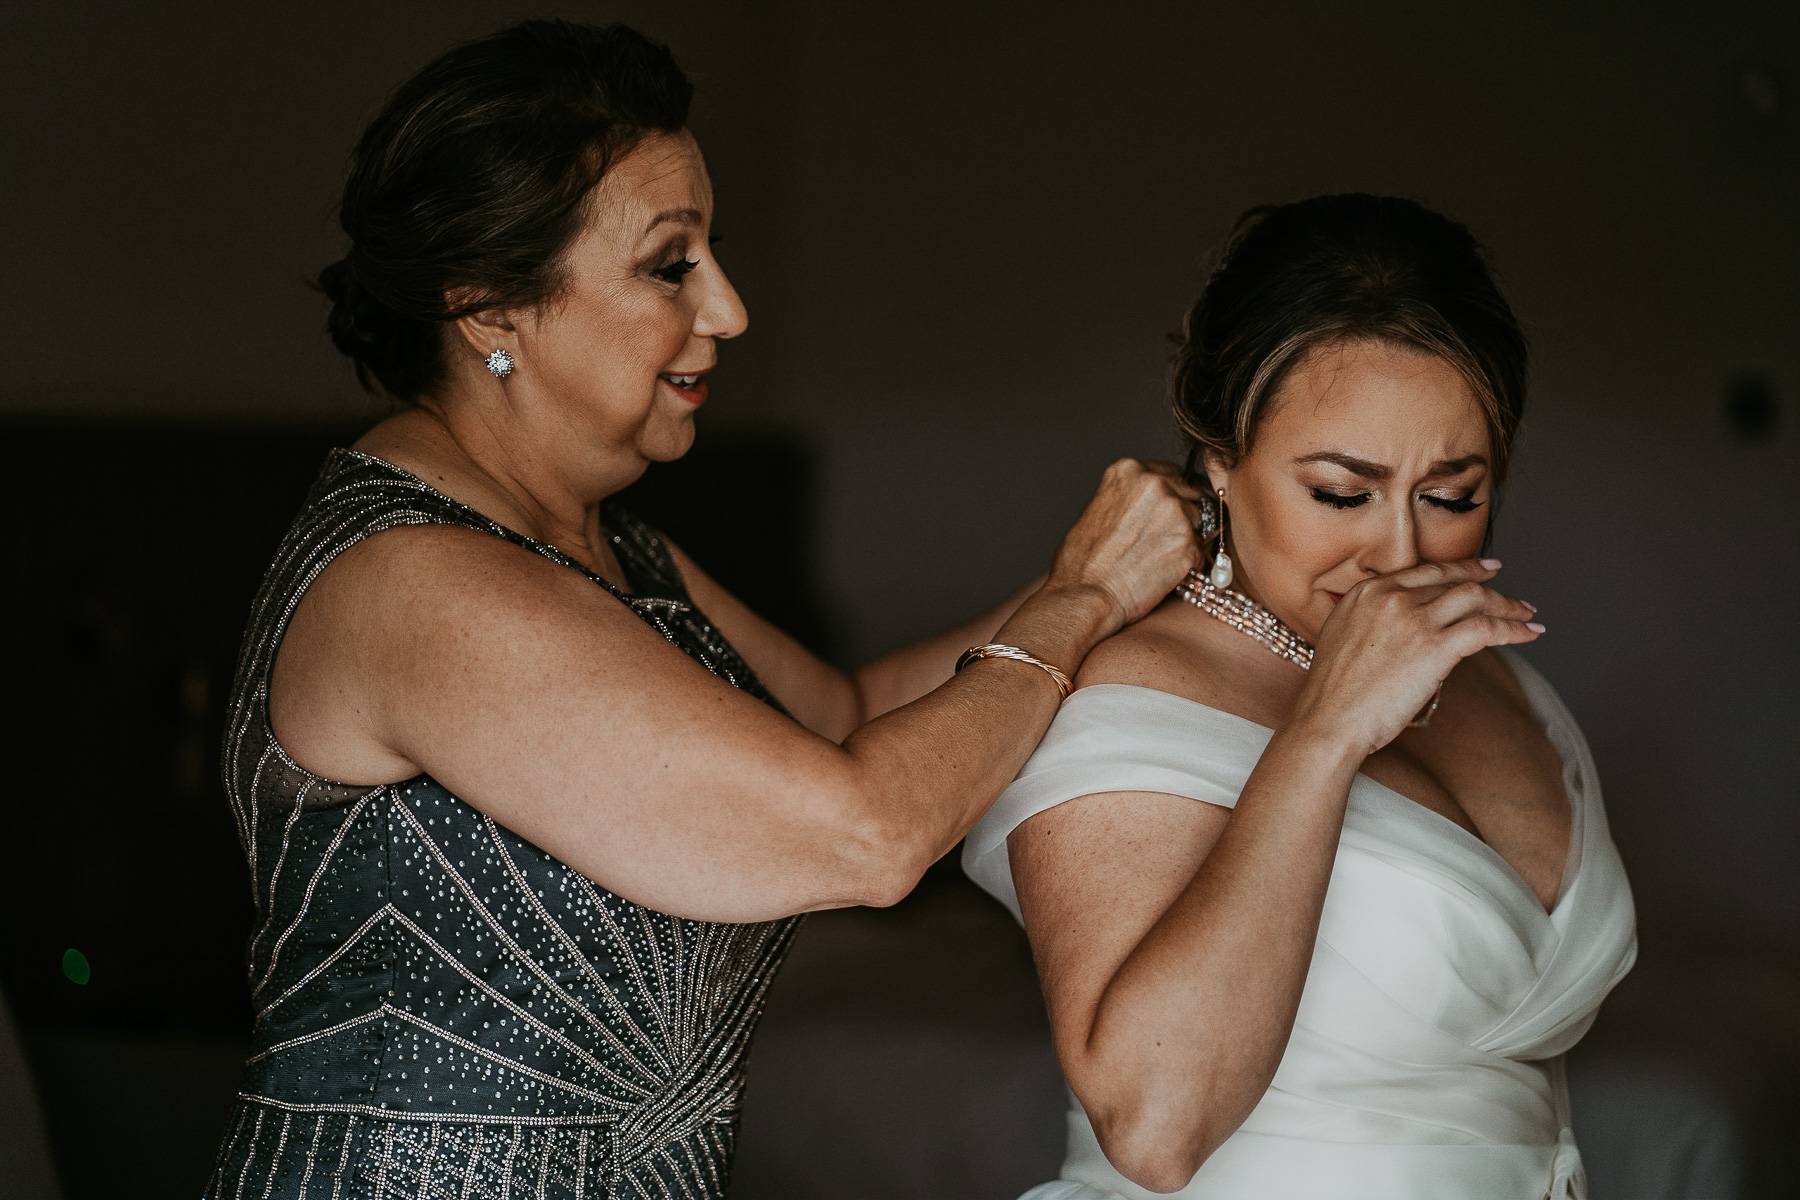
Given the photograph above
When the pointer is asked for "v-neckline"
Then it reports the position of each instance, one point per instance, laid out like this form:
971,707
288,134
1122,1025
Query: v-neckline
1571,867
524,540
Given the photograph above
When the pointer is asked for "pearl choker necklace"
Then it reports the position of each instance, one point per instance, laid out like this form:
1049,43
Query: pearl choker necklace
1253,620
1247,617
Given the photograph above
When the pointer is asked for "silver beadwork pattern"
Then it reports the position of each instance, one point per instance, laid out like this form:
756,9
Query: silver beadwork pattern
441,1008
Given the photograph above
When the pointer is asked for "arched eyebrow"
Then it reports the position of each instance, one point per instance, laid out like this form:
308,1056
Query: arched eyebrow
1456,466
1375,470
682,216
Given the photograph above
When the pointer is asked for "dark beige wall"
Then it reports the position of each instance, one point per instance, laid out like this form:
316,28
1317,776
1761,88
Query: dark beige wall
172,170
964,232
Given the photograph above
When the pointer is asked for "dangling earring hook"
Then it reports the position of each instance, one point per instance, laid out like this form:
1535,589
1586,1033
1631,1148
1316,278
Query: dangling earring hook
1221,574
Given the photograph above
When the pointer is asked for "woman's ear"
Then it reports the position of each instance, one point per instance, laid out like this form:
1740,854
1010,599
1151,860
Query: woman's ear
486,330
1218,471
489,330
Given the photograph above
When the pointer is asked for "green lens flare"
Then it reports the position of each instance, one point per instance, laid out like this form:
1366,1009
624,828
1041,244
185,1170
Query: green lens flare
75,966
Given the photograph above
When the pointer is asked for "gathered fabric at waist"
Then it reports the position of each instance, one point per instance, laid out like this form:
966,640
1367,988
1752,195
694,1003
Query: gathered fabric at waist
1254,1166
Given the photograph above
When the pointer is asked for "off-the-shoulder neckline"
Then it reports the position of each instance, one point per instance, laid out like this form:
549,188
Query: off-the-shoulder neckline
1549,720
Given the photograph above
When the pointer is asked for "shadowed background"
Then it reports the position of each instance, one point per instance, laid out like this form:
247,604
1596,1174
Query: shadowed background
964,234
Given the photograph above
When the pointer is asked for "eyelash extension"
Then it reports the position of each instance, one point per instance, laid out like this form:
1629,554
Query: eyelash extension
1340,502
715,239
1465,505
675,270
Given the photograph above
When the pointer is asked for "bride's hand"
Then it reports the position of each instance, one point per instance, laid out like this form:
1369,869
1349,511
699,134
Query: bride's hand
1393,640
1135,540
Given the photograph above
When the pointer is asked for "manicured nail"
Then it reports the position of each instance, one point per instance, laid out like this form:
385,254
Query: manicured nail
1529,604
1534,627
1492,564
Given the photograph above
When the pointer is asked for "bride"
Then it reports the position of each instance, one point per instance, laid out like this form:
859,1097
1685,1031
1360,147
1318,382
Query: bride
1315,870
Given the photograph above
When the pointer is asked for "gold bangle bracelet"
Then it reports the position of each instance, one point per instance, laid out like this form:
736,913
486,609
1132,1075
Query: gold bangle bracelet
1014,654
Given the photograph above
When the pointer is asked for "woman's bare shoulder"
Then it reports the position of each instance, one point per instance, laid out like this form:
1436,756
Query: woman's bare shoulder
1182,651
1493,670
423,611
1172,650
413,573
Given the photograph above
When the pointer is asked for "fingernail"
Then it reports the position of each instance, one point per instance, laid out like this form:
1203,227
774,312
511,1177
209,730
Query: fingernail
1529,604
1492,564
1534,627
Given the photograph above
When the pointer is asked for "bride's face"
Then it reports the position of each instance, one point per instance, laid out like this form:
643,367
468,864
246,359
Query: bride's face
1370,458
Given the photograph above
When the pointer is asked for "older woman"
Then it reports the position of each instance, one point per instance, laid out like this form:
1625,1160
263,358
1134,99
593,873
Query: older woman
1316,875
530,801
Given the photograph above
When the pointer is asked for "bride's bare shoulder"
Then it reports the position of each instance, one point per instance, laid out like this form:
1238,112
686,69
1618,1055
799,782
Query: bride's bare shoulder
1182,651
1167,650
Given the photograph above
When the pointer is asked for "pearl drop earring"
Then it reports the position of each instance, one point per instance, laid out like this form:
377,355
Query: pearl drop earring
1221,574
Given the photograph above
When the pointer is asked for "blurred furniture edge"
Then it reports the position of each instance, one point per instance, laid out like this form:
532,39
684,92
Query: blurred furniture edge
1650,1126
26,1171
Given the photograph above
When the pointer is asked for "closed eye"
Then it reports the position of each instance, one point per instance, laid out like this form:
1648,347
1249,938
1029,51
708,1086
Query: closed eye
1337,500
675,270
1465,504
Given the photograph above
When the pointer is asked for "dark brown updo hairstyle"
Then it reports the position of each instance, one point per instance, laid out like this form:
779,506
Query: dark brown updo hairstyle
471,183
1295,277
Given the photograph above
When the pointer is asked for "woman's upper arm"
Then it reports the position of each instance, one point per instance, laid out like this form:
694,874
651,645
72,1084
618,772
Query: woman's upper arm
541,700
1093,875
820,696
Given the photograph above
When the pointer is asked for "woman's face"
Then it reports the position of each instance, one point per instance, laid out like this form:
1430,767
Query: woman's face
616,365
1371,458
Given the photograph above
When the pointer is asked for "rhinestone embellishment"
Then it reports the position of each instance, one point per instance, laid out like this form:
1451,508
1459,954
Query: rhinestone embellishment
500,364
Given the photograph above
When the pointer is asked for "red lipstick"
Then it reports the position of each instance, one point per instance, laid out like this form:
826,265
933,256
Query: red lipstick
689,385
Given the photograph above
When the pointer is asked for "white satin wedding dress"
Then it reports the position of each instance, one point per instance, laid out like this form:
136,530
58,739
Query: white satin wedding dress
1425,1062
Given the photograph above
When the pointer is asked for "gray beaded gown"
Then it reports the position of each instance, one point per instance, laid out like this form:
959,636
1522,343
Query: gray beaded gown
441,1008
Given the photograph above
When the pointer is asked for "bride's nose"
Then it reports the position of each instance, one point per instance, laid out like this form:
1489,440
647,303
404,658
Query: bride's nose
1397,545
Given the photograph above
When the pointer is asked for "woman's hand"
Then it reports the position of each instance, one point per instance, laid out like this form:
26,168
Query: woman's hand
1134,541
1393,640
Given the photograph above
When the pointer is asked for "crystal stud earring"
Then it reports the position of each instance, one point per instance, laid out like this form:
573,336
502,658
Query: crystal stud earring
1221,573
500,364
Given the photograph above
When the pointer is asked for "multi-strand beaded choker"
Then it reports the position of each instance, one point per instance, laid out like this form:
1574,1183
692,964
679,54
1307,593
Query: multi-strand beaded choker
1253,620
1247,617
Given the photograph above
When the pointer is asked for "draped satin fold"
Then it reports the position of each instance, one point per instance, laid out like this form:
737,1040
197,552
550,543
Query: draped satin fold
1424,1062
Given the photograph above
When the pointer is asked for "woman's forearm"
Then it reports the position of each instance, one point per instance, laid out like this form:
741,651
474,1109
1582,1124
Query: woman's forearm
1187,1034
991,703
903,676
